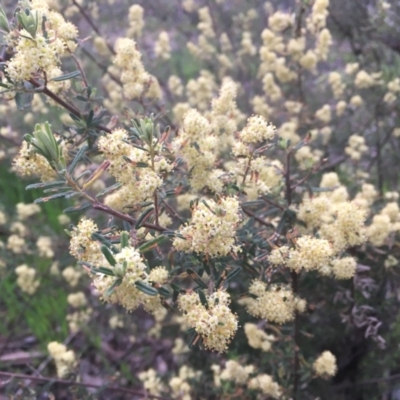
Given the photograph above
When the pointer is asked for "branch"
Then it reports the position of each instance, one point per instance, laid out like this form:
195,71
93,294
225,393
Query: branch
73,383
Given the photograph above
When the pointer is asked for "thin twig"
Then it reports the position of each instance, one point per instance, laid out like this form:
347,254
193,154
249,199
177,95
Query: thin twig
73,383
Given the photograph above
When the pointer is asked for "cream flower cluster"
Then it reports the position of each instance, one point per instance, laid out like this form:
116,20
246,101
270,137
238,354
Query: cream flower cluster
41,54
215,323
212,228
82,246
257,130
277,304
162,47
64,359
29,163
257,338
136,81
266,384
136,21
151,382
139,184
236,372
130,264
198,147
325,365
27,279
356,147
24,211
309,253
180,384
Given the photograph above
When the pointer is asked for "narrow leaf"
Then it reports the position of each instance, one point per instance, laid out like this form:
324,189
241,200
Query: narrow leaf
42,185
103,270
53,197
124,239
145,288
111,289
65,77
196,278
108,255
143,216
77,158
79,207
152,243
108,190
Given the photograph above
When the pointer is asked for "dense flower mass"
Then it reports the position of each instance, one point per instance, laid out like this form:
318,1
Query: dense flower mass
214,322
212,228
276,304
325,365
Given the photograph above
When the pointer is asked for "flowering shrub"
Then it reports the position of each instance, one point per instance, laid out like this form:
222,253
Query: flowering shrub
244,201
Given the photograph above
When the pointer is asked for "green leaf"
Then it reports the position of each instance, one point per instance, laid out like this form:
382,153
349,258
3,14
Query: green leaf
152,243
108,190
65,77
124,239
103,270
143,216
77,158
196,278
42,185
53,197
79,207
232,274
111,289
100,238
108,255
145,288
164,291
203,298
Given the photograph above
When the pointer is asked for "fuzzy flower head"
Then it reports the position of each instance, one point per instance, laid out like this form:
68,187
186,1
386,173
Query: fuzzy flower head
325,365
214,322
257,130
277,304
212,228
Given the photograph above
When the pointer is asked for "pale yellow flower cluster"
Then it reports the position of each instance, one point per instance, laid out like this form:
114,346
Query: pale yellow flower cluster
365,80
212,228
136,81
223,113
344,268
78,318
393,91
27,280
162,47
180,385
41,54
130,267
24,211
151,382
136,21
204,49
64,359
309,253
277,304
70,274
266,385
257,338
216,324
198,147
257,130
44,246
236,372
325,365
337,85
175,85
356,147
16,244
29,163
139,184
